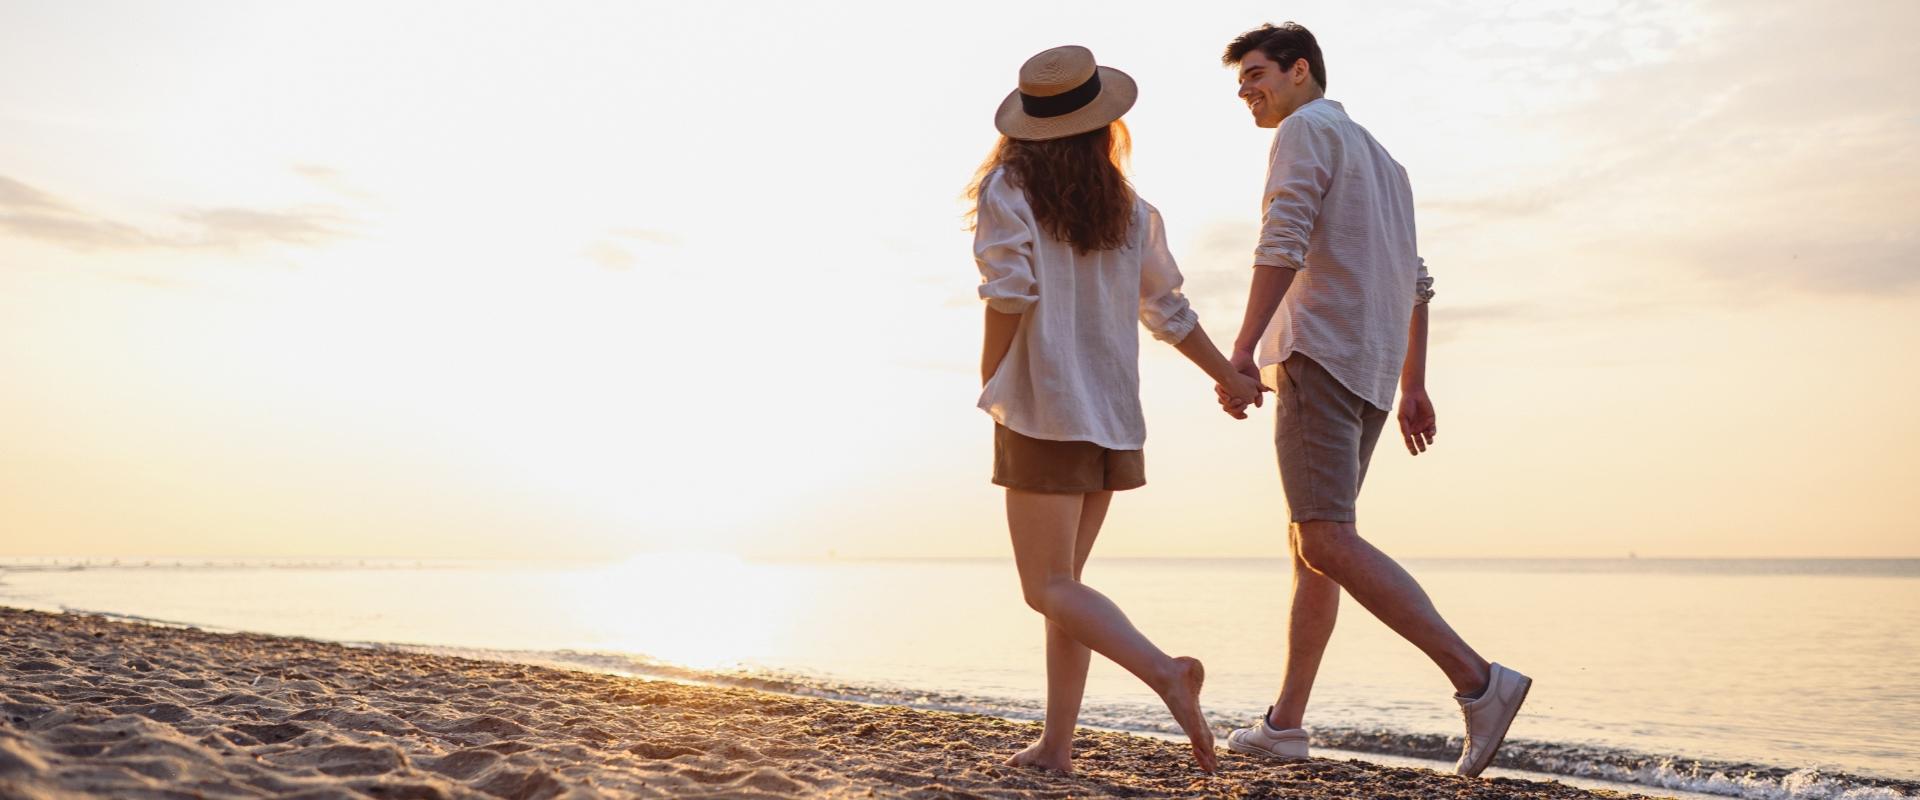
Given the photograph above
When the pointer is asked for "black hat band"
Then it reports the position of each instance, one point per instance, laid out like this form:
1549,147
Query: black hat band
1063,103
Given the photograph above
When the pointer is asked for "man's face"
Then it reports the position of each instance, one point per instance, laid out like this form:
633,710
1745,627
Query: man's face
1267,90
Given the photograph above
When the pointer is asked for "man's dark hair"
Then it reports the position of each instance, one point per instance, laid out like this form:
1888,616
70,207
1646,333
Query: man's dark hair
1285,44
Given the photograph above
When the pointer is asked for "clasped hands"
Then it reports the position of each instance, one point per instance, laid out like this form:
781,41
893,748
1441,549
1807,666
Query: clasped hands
1242,388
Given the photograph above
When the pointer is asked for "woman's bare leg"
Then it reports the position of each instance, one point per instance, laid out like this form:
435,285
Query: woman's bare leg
1045,527
1067,660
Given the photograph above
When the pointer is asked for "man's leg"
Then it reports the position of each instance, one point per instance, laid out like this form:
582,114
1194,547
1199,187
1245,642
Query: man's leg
1316,603
1325,436
1315,600
1489,694
1336,550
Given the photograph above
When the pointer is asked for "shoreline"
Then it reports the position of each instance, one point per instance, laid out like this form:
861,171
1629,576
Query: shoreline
96,706
1592,767
1589,766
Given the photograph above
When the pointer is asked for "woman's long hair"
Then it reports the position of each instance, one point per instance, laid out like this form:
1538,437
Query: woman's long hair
1077,185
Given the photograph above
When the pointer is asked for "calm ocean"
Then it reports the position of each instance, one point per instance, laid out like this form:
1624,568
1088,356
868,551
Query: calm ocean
1762,678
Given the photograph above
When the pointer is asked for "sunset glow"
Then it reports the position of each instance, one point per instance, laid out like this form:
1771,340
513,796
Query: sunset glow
617,279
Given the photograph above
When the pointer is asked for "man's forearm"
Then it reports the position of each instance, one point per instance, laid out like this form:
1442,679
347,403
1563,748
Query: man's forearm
1413,373
1000,329
1263,298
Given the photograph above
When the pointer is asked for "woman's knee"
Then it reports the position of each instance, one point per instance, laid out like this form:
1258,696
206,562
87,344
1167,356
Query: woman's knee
1040,591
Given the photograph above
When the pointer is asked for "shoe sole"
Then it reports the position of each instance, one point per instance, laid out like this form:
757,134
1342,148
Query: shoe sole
1250,750
1501,738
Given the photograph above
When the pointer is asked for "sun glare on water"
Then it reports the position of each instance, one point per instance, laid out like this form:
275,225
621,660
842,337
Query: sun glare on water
702,610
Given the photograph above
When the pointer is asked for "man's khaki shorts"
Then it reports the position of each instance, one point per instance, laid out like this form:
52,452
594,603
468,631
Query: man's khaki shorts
1044,465
1324,436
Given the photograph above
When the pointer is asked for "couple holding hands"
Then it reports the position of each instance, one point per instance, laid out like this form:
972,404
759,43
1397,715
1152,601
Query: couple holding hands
1070,257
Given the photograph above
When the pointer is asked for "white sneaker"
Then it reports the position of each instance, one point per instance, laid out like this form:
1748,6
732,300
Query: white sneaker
1265,740
1488,717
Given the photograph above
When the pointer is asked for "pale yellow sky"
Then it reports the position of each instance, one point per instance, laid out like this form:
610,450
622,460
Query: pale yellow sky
446,280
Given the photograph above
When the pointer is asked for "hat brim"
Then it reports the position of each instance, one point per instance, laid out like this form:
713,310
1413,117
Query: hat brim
1117,93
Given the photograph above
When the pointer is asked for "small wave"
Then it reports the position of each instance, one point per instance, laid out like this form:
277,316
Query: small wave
1723,778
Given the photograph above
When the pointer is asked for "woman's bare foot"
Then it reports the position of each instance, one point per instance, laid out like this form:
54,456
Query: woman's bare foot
1182,695
1040,755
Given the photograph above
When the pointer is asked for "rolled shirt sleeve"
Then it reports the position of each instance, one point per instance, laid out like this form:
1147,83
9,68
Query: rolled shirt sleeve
1299,171
1003,248
1422,285
1163,308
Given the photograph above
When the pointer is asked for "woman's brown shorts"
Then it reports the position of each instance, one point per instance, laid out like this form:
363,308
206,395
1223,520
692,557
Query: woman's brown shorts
1043,465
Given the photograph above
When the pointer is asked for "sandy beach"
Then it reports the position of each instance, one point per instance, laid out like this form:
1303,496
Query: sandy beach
95,707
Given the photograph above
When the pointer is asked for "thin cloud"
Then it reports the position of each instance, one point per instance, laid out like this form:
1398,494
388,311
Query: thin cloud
155,282
610,255
29,213
72,230
1875,266
649,236
15,195
1880,267
331,179
1489,312
228,227
620,255
1709,171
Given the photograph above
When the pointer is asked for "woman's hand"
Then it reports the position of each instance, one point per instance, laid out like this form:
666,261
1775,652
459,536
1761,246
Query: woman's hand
1000,329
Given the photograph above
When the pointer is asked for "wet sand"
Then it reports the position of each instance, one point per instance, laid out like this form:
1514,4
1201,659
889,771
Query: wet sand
91,707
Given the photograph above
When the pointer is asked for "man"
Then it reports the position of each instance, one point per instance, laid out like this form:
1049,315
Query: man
1338,308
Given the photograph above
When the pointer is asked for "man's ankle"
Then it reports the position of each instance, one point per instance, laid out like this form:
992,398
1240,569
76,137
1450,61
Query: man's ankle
1273,722
1482,681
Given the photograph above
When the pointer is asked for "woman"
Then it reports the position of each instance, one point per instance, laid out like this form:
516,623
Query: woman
1070,257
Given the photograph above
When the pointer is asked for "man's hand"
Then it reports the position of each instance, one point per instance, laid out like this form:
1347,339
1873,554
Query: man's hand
1242,362
1416,420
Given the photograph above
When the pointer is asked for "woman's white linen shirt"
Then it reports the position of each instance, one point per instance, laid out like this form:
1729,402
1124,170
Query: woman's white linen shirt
1073,371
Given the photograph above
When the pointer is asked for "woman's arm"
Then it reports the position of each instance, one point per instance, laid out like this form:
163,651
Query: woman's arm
999,339
1003,249
1166,312
1235,390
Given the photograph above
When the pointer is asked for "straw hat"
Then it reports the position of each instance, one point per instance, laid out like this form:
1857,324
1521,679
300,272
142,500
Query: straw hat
1063,92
